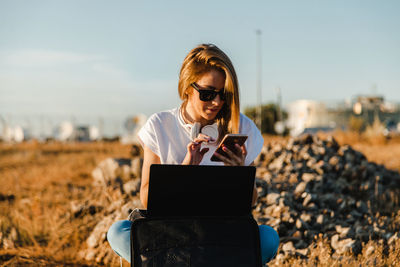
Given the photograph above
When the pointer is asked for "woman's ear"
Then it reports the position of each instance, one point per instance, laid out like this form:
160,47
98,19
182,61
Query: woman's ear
187,94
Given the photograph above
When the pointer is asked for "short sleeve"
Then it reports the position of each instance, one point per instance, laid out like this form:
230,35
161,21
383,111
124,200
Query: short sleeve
147,134
254,142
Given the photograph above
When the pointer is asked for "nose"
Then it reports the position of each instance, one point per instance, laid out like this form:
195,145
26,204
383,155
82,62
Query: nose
217,100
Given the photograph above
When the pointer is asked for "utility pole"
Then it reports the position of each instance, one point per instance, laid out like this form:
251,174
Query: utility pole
279,126
259,81
279,104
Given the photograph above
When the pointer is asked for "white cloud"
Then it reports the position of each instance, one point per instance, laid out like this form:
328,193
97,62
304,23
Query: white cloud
44,58
77,83
109,70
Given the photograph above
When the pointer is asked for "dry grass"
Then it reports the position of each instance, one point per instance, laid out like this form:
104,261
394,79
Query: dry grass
43,179
38,182
376,148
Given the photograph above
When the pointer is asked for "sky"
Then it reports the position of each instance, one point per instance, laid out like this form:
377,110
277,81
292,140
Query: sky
113,59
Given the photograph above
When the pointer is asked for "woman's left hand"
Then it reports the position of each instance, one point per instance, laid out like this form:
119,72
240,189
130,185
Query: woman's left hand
236,158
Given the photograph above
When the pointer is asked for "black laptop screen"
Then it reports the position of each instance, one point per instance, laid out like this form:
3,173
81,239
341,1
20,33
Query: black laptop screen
188,190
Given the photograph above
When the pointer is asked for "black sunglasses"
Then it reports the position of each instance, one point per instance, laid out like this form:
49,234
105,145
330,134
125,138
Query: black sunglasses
208,95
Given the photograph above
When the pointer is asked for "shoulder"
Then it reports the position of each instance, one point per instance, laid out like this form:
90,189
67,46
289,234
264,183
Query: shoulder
255,140
246,124
158,123
163,117
154,131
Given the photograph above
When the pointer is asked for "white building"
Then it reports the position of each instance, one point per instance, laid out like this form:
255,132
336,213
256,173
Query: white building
305,114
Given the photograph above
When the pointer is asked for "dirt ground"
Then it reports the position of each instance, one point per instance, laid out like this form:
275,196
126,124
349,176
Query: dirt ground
38,182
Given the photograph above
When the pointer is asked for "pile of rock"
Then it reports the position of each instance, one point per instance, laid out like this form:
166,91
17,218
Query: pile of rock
116,187
310,187
307,188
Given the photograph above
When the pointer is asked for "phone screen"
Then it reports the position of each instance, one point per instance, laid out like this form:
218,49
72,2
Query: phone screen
229,141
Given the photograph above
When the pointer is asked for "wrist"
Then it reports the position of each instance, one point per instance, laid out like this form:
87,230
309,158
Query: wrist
186,160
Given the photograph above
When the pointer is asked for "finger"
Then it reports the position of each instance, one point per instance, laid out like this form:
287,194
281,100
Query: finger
234,159
200,140
232,155
205,137
204,151
239,150
193,146
244,149
224,159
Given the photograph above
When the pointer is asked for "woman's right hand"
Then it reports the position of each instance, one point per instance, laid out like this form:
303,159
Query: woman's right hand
194,155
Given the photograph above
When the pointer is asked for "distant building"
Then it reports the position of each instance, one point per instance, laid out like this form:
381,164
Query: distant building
14,134
368,107
308,114
67,131
132,126
311,116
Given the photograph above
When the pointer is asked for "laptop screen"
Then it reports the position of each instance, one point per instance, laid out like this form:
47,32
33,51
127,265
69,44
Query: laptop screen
199,190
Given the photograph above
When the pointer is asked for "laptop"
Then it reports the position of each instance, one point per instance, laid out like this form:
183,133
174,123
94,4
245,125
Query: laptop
200,190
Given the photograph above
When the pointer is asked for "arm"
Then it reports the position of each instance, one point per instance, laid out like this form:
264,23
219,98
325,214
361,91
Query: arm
255,193
255,196
149,158
194,156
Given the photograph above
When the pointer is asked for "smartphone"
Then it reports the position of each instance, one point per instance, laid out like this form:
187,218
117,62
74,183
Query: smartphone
229,141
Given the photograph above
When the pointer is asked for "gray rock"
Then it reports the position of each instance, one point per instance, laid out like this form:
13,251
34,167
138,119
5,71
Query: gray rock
334,160
13,234
132,187
320,219
301,225
361,207
342,246
288,248
393,239
105,172
300,188
303,252
272,198
267,177
99,232
8,243
343,231
306,217
307,177
330,189
307,199
277,163
301,245
136,167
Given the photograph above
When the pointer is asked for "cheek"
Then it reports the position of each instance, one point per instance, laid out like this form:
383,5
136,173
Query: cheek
198,104
202,106
194,102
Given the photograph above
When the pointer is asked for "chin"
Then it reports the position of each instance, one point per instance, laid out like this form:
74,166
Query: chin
210,117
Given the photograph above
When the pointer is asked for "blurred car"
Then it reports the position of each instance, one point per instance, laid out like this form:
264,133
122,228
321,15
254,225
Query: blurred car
391,129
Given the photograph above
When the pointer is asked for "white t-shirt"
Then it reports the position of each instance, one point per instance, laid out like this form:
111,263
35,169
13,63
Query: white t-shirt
167,135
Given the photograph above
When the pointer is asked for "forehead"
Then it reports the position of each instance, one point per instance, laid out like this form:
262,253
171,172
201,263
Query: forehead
212,79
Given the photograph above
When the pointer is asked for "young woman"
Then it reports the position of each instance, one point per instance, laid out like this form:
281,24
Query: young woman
189,134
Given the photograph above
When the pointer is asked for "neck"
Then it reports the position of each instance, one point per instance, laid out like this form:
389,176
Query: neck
189,116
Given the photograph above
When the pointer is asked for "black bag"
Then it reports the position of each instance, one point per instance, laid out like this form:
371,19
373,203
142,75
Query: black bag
195,241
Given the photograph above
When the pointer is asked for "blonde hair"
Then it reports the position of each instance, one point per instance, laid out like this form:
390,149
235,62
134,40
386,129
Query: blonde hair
202,59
